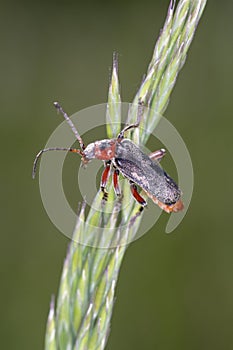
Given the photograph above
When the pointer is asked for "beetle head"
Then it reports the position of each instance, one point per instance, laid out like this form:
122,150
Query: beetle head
88,153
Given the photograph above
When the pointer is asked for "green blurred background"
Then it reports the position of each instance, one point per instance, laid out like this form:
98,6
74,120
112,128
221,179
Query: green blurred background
175,291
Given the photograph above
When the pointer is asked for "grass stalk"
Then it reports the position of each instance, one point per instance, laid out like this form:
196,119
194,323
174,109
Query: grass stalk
81,317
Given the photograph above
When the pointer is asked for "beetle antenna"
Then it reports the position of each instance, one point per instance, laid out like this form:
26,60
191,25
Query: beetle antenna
69,121
73,150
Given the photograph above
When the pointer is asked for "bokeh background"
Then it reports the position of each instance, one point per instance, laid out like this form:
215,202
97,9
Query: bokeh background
175,291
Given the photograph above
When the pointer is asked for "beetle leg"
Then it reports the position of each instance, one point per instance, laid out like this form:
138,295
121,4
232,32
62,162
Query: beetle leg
138,213
104,179
131,126
139,199
157,155
136,195
116,185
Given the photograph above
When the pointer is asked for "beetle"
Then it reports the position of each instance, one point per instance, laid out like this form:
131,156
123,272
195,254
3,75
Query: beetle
121,155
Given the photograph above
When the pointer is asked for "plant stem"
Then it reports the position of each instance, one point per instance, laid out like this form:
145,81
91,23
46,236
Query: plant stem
81,318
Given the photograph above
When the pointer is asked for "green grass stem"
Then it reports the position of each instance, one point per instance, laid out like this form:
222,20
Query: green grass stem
81,318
